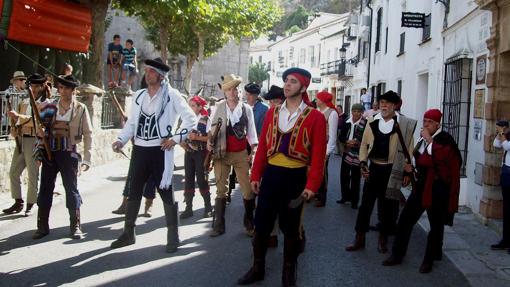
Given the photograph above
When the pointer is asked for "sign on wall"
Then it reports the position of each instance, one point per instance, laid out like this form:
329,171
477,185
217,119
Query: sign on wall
413,20
479,104
481,69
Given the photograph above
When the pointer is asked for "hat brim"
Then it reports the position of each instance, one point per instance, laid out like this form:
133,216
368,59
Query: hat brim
231,84
158,65
67,83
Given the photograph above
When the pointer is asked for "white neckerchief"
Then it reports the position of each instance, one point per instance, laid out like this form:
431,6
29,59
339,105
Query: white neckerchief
353,125
286,120
426,145
234,116
386,126
151,105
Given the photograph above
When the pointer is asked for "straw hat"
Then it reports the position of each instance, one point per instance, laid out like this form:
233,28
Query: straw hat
230,81
18,75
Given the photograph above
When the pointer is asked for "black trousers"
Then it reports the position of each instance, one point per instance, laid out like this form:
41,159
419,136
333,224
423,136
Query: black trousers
149,190
437,215
279,186
67,165
375,189
322,193
505,190
194,168
350,177
148,162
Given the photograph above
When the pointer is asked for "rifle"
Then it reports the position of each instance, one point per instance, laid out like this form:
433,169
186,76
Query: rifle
119,108
209,154
38,121
13,124
414,177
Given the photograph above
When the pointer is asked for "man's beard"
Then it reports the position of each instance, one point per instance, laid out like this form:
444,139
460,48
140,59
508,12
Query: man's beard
296,94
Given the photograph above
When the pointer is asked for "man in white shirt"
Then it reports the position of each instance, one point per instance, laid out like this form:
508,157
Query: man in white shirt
366,99
154,114
327,108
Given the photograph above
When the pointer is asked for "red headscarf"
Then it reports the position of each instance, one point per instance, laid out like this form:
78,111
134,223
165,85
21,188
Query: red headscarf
201,102
326,98
305,82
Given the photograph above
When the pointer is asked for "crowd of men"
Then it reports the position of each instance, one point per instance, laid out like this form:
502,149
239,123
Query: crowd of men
278,152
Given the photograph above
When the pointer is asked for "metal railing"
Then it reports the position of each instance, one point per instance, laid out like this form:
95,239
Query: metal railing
109,113
15,98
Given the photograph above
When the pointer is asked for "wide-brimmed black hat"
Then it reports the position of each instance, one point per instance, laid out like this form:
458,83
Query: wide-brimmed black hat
158,64
252,88
293,70
389,96
502,123
274,92
37,79
68,81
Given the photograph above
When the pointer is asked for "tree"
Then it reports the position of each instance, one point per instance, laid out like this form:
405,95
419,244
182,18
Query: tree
258,73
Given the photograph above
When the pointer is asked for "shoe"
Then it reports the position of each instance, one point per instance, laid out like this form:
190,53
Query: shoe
272,242
391,261
43,228
341,201
28,210
128,236
426,267
122,207
382,245
75,225
148,207
358,244
17,207
500,246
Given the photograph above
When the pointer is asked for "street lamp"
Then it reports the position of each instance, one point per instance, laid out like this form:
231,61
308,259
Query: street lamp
342,52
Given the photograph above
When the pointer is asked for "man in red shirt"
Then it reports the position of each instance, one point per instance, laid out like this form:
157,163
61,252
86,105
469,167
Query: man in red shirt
288,169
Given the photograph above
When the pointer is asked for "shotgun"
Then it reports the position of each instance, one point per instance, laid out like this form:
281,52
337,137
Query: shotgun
414,174
38,122
14,129
209,154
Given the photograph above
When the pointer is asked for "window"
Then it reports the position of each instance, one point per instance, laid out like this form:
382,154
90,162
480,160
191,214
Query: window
402,44
291,53
378,30
457,103
336,55
386,43
426,29
302,55
260,59
328,56
311,54
360,45
365,48
251,60
399,88
381,89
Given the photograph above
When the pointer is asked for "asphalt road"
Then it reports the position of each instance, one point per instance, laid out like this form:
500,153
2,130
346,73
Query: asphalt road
201,261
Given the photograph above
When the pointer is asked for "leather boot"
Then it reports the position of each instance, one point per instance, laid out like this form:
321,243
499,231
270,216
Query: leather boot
249,208
172,224
302,242
17,207
426,266
382,245
43,228
219,217
122,207
392,261
28,211
207,204
75,226
359,242
128,235
148,207
290,254
257,271
188,199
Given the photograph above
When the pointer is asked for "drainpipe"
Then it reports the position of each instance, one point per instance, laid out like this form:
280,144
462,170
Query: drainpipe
369,45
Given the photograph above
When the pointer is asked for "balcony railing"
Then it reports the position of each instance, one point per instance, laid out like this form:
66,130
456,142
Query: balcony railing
342,68
14,98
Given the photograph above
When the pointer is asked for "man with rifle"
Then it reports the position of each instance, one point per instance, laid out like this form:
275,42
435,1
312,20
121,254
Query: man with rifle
382,145
24,133
436,191
66,124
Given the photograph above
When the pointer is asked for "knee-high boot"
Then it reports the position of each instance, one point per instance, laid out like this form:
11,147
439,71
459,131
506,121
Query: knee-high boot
249,208
75,224
43,228
290,255
207,204
219,217
128,235
188,199
172,224
257,271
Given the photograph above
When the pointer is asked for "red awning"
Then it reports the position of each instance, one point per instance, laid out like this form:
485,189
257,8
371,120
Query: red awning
51,23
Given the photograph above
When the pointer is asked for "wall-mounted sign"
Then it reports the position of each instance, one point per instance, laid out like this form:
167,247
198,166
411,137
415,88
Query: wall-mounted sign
481,69
479,103
413,20
477,130
316,80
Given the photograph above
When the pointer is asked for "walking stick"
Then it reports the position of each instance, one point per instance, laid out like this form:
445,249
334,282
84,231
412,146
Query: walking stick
38,121
406,152
13,124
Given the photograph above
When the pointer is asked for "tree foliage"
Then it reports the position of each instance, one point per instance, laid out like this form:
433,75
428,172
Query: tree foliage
258,73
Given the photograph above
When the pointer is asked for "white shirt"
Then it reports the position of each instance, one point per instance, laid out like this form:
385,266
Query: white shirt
251,134
424,144
505,145
66,117
386,126
332,130
353,125
366,98
150,105
286,120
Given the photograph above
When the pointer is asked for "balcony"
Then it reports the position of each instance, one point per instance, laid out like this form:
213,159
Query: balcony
330,68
